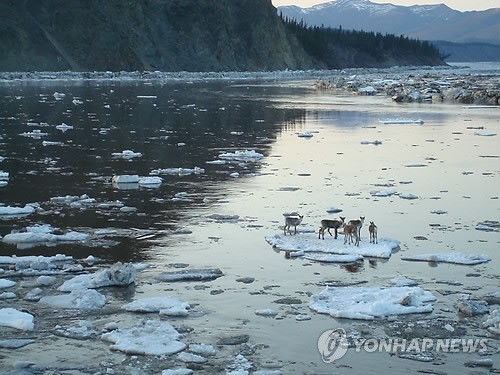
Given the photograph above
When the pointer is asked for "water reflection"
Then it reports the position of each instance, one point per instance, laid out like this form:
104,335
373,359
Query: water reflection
170,125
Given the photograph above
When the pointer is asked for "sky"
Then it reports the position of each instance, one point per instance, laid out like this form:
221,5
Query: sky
462,5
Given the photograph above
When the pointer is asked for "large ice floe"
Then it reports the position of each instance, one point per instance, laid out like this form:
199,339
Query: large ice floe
314,247
368,303
117,275
85,299
149,337
168,306
43,234
10,317
455,258
9,211
241,156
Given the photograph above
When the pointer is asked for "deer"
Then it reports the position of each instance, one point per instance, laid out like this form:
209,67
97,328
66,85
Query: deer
372,228
350,230
326,224
359,224
292,221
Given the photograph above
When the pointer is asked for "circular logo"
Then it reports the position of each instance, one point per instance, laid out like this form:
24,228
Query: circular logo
332,345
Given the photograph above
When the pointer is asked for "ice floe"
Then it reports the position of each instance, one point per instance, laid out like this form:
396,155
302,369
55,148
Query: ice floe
177,171
149,337
371,302
492,322
456,258
16,211
43,234
64,127
489,226
403,281
85,299
10,317
309,243
333,258
126,154
402,121
117,275
242,156
198,274
164,305
5,283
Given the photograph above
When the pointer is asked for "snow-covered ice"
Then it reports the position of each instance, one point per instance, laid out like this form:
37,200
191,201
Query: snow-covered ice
16,211
177,171
43,234
402,121
403,281
10,317
117,275
149,337
126,154
242,156
492,322
309,243
456,258
333,258
157,304
371,302
85,299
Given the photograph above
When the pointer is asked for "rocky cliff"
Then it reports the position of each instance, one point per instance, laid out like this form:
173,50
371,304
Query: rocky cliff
166,35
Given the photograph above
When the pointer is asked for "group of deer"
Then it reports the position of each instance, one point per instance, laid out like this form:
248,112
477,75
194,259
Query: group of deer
352,228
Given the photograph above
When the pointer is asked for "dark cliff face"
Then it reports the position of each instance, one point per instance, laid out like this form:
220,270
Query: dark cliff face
168,35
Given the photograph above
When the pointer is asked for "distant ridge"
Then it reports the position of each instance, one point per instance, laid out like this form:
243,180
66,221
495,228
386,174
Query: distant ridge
424,22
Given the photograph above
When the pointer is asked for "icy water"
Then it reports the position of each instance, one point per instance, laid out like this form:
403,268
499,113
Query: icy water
451,163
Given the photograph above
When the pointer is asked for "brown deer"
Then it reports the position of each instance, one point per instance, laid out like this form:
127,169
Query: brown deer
327,224
359,224
373,232
292,221
349,231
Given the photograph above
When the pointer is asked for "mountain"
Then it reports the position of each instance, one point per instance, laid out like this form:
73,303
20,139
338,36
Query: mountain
173,35
424,22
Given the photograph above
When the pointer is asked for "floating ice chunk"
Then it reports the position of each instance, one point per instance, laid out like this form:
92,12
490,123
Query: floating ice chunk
191,358
150,181
35,134
368,90
242,155
125,179
16,211
126,154
58,95
64,127
178,171
485,134
4,176
147,96
240,366
306,134
456,258
492,322
86,299
309,243
489,226
403,281
383,193
333,210
4,283
150,337
369,303
191,275
13,318
83,330
439,212
32,236
7,295
205,350
408,196
177,371
223,217
117,275
333,258
402,121
156,304
266,312
375,142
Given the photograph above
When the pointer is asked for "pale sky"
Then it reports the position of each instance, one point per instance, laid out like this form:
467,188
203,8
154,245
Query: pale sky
461,5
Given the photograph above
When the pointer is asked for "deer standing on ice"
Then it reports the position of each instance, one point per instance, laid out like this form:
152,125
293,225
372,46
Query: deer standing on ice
373,232
349,231
292,221
359,224
326,224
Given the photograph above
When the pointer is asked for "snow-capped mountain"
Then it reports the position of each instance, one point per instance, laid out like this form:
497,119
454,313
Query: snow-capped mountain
425,22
